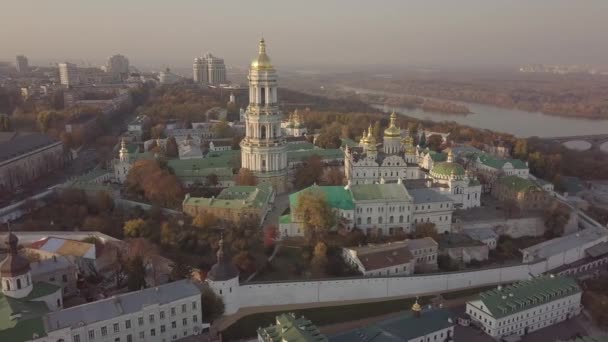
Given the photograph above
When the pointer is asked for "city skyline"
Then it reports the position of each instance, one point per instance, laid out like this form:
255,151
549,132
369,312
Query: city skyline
466,33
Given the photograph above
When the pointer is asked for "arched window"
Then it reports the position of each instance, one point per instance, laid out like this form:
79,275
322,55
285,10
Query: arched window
7,284
18,284
369,220
358,220
390,219
401,219
58,303
379,219
263,132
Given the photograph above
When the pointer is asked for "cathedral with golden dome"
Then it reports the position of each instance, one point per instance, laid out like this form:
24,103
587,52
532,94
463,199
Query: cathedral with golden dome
366,164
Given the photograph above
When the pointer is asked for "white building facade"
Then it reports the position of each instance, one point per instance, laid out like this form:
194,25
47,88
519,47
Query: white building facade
526,306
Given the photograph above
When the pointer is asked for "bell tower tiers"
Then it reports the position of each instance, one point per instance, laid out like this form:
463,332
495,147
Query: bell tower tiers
264,150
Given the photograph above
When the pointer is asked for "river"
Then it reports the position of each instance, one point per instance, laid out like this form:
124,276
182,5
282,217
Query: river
517,122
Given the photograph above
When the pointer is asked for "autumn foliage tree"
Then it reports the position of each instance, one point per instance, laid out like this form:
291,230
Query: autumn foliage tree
318,262
171,149
309,172
245,177
315,214
427,229
156,184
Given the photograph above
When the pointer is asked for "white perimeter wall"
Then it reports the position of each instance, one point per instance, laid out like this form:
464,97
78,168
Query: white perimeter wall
264,294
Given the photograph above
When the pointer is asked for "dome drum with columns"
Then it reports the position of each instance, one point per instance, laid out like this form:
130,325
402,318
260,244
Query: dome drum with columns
15,271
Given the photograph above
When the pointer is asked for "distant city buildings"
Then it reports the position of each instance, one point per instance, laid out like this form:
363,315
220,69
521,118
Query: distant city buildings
562,69
209,70
167,77
22,65
68,74
118,67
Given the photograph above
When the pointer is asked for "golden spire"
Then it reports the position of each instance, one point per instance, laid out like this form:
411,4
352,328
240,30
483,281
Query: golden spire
262,48
416,308
450,156
393,131
262,62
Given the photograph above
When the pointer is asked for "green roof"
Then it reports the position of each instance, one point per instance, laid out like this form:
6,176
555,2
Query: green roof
518,184
349,142
288,328
326,154
31,312
300,146
447,169
527,294
438,156
236,197
363,192
285,219
336,196
403,327
220,159
498,163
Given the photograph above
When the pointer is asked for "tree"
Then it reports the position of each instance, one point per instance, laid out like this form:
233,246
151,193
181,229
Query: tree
180,269
426,230
157,184
244,261
520,151
422,140
309,172
377,131
329,137
333,176
434,142
149,253
136,274
117,264
167,236
104,202
5,123
45,119
134,228
319,259
556,217
171,149
222,130
316,215
212,179
271,233
245,177
212,303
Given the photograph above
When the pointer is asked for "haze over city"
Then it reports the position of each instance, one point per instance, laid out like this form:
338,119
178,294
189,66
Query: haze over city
309,33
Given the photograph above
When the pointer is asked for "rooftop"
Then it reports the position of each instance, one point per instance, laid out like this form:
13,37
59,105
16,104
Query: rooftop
14,144
50,265
66,247
326,154
498,163
456,240
235,197
120,305
289,328
374,257
336,196
518,184
365,192
567,242
403,327
527,294
426,195
481,234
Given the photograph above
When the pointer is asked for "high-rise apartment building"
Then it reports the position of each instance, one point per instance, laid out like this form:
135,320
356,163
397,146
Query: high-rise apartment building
68,74
209,70
22,64
118,66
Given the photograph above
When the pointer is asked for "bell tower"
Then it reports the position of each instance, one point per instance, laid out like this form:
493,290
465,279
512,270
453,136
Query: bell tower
264,150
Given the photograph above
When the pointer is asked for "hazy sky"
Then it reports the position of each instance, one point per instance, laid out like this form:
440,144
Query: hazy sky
308,32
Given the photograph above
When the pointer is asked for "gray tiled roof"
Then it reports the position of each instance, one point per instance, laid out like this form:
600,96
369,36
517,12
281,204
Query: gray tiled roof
50,265
427,196
120,305
23,143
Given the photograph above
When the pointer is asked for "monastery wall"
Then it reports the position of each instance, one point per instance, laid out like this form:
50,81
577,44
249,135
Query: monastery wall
281,293
514,227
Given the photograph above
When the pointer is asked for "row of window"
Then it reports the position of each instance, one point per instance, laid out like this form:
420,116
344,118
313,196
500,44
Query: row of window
116,329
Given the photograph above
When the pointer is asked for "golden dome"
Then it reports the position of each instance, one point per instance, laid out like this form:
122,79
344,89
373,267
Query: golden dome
393,131
364,137
416,307
262,61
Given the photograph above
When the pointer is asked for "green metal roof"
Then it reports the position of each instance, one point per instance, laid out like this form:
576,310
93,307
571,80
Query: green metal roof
363,192
300,146
336,196
403,327
221,159
288,328
349,142
498,163
235,197
518,184
285,219
30,311
527,294
438,156
326,154
447,169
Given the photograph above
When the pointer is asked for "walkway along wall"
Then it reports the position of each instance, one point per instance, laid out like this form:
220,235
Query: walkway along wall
300,292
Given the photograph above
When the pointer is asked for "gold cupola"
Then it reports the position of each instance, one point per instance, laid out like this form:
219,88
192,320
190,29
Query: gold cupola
393,131
262,61
416,308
